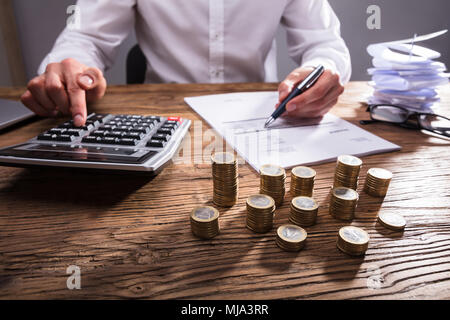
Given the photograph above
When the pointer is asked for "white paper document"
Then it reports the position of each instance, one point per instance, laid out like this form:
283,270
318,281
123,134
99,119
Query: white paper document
240,118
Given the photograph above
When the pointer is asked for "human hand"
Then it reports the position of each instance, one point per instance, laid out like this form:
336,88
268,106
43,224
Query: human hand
317,100
65,88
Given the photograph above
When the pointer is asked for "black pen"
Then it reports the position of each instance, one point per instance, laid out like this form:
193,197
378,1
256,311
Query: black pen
302,87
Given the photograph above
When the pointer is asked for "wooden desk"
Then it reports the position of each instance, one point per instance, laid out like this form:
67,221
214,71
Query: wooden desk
131,235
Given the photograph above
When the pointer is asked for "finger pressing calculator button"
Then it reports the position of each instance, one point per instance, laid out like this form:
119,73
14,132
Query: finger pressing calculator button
156,143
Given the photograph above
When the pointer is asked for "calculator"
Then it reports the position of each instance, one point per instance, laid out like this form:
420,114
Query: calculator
106,142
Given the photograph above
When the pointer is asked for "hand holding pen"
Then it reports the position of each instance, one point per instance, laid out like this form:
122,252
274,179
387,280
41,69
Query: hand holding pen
314,102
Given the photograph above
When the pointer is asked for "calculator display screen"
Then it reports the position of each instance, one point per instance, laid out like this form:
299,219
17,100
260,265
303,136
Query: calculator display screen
79,153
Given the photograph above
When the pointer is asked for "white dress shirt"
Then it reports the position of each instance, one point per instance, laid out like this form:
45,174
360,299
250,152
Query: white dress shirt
206,41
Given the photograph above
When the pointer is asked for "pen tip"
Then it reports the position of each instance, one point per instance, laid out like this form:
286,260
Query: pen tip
268,122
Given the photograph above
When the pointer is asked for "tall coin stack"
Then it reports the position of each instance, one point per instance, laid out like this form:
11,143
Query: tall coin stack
343,203
347,172
291,237
260,213
303,211
225,179
377,182
353,241
205,222
302,181
272,182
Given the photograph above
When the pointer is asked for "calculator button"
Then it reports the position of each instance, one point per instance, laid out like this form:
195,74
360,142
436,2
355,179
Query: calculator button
45,136
133,135
114,134
127,142
90,139
140,129
57,131
107,140
156,143
166,130
64,138
99,133
74,132
161,136
171,123
108,127
177,119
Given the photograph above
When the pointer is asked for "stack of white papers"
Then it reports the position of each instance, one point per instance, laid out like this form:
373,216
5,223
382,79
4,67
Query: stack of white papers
406,74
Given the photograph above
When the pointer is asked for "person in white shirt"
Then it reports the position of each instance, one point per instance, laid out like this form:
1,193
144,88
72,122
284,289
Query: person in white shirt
201,41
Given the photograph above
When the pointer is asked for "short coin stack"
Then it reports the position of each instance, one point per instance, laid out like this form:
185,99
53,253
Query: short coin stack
225,179
343,203
302,181
260,213
303,211
352,240
272,182
392,221
347,172
377,182
291,237
205,222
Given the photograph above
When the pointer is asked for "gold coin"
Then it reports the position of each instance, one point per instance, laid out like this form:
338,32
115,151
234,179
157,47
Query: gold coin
349,160
380,173
272,170
260,201
345,193
304,172
223,158
305,203
204,214
392,221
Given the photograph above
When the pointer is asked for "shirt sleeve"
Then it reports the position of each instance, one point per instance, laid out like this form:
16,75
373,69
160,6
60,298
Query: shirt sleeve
314,37
94,41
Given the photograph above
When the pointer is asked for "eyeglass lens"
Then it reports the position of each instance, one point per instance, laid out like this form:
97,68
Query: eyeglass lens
435,122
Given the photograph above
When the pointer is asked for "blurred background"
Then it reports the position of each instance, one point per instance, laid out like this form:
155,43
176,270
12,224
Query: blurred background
30,27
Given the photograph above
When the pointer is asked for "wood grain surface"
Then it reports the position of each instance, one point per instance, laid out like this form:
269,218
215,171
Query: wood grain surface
131,238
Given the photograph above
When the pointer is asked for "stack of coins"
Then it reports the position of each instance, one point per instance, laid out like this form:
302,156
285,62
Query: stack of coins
225,179
272,182
377,182
291,237
303,211
260,213
352,240
205,222
302,181
392,221
343,203
347,172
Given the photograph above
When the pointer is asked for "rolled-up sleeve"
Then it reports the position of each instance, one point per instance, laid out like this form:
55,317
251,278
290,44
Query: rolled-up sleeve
314,37
103,25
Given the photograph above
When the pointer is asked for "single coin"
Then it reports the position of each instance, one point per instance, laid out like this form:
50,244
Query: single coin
354,235
305,203
272,170
345,193
261,201
380,173
304,172
392,221
291,233
223,158
204,214
350,160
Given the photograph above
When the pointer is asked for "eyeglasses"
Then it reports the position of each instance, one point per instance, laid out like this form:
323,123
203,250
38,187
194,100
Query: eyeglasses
408,119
